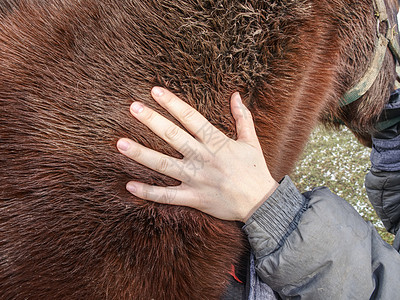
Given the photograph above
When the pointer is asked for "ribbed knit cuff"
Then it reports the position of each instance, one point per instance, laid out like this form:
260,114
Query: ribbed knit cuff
276,218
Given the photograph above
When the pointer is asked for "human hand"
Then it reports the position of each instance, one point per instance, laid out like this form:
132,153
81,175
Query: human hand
231,181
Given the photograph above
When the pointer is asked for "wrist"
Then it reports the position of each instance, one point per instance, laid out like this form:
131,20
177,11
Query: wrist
278,217
271,187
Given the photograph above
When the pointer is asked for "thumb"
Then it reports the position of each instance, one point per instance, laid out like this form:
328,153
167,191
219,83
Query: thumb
244,121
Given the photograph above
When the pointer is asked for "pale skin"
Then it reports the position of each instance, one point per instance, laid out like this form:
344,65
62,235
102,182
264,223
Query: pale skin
230,182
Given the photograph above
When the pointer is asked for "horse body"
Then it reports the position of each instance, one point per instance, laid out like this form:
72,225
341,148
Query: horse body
68,73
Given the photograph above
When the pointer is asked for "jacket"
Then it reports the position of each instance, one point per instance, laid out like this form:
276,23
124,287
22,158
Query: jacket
316,246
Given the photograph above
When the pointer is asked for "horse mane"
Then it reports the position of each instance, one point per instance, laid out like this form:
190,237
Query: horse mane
359,41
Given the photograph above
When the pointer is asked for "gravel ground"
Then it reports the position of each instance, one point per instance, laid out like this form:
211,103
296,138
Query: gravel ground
337,160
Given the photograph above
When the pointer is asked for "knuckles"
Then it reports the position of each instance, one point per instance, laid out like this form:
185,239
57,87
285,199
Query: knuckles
135,152
162,165
149,115
169,99
187,114
172,132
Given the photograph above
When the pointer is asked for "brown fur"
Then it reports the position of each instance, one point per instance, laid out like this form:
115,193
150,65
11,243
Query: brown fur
6,6
68,73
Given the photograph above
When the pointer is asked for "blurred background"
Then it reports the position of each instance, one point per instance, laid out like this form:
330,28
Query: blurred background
334,158
337,160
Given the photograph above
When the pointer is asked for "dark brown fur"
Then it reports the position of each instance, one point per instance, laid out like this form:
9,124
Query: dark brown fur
68,73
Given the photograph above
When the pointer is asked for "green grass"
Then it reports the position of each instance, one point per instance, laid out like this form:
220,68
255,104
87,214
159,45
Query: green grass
337,160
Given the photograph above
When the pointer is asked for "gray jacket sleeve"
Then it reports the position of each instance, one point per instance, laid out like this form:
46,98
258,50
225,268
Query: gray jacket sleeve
316,246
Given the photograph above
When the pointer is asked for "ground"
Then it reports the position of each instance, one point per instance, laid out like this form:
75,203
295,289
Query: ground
334,158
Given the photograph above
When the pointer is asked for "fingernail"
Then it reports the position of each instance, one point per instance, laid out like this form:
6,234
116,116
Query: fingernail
123,145
137,107
157,91
131,187
238,98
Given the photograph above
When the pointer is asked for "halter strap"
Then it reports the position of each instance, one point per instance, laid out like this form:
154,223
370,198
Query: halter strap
381,44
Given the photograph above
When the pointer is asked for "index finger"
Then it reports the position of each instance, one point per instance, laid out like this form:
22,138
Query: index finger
190,118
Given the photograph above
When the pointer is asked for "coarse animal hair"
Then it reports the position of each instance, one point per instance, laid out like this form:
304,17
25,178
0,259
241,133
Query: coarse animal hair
69,70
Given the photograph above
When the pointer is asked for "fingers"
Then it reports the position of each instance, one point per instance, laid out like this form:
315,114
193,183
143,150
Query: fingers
154,160
179,139
190,118
175,195
244,122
